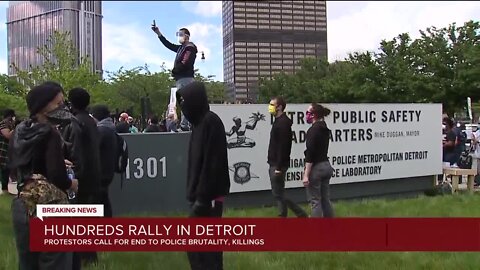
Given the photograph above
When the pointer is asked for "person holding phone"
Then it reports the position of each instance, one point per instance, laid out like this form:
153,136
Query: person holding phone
183,68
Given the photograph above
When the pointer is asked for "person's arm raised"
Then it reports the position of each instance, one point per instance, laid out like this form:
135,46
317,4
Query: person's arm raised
165,42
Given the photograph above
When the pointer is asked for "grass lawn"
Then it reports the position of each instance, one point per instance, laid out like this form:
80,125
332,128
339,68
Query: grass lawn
442,206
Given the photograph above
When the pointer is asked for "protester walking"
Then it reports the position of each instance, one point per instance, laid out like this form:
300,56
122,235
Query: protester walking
318,170
108,153
208,179
36,153
279,150
6,132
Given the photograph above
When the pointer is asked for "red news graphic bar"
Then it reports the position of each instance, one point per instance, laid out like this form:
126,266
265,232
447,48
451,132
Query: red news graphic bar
255,234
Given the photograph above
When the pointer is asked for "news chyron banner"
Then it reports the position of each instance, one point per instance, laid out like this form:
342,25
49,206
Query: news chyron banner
368,142
60,228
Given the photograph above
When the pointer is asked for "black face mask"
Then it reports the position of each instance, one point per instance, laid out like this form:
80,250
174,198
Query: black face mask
60,116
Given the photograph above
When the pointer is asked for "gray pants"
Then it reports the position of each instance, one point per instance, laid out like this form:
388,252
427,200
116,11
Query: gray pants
318,191
278,190
180,83
28,260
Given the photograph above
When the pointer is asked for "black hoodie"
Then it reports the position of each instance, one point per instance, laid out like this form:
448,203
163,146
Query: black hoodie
208,174
37,148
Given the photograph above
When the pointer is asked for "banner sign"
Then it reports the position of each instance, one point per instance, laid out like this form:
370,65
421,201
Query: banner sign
172,106
254,234
368,142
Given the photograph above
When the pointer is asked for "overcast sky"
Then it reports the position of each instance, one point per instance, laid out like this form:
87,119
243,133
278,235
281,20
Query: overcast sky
352,26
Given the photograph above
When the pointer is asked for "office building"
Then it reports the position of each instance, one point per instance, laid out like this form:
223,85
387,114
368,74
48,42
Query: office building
262,38
31,23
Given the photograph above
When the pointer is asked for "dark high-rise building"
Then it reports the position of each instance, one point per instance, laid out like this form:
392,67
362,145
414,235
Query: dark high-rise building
262,38
31,23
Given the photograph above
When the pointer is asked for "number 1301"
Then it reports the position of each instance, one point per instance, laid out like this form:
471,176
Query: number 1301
148,168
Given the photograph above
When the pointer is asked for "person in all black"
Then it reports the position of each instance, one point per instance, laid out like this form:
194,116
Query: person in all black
208,179
36,148
279,150
6,132
318,169
183,68
153,125
83,151
449,153
108,153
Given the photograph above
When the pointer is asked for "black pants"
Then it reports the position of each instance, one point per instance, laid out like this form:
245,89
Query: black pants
278,191
80,258
5,173
104,199
28,260
207,260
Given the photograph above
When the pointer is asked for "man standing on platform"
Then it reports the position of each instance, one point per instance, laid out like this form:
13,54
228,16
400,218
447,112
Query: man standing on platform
183,68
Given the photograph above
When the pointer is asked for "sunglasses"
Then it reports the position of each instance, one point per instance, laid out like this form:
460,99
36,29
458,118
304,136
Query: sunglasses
181,34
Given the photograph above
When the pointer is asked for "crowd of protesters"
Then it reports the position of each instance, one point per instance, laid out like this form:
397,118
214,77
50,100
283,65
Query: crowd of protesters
127,124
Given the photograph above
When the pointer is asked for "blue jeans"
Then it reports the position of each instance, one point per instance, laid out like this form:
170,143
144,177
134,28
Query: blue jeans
180,83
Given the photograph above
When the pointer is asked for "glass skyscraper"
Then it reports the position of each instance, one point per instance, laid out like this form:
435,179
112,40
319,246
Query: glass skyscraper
30,24
262,38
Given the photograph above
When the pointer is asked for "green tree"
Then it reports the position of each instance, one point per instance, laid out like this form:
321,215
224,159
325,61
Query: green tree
128,87
12,95
11,86
215,89
443,65
61,64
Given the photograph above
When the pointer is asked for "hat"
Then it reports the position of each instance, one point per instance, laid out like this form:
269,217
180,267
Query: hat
40,95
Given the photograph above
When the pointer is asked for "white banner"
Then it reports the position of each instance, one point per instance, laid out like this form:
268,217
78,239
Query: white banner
469,108
368,142
172,106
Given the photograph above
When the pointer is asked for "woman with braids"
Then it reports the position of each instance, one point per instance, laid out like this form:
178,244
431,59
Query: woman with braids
318,170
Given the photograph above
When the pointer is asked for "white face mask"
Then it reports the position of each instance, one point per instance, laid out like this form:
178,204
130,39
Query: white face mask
181,40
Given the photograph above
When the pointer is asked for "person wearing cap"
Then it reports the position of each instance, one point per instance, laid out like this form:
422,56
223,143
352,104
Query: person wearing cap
183,68
36,149
6,132
122,125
